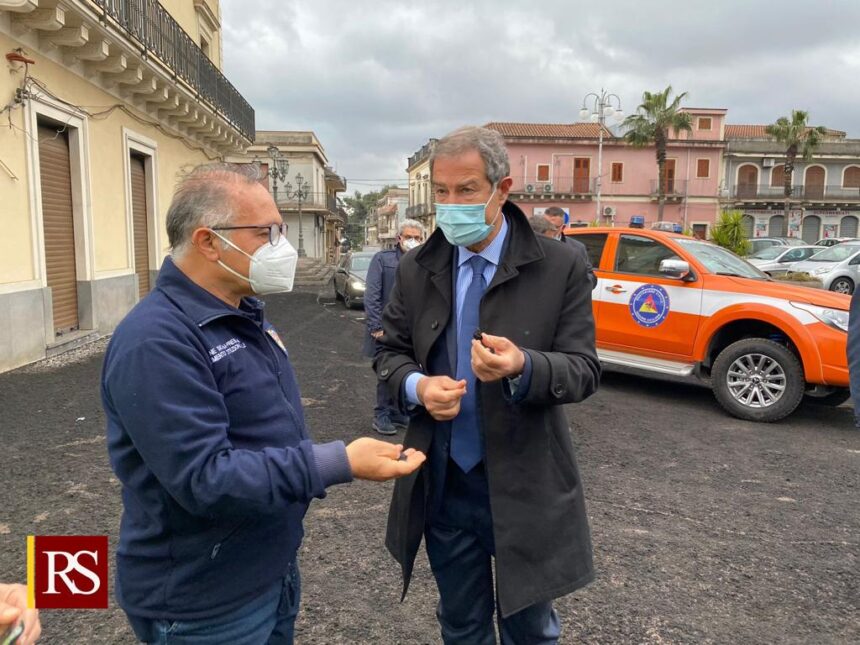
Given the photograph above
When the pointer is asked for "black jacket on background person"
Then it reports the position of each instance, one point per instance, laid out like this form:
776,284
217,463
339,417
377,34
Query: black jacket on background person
540,298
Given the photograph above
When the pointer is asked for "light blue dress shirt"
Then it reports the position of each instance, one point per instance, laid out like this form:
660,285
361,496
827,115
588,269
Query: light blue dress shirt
493,255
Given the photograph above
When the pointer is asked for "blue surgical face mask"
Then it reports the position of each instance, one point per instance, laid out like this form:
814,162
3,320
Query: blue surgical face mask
465,224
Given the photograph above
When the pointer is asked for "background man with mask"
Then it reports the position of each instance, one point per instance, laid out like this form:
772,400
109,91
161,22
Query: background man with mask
501,481
206,431
387,417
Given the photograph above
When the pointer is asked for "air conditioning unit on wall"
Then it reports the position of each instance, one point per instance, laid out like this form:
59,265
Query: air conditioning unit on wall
530,188
609,211
547,188
768,163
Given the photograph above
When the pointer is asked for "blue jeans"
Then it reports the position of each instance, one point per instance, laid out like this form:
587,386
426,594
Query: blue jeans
267,620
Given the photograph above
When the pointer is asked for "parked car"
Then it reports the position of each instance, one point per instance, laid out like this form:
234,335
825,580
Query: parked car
831,241
776,260
350,278
759,243
670,304
838,267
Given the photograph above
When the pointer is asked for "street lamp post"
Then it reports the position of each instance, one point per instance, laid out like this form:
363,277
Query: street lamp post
602,108
278,170
300,194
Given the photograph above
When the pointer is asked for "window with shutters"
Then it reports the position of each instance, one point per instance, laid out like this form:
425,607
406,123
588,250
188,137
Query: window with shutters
703,168
704,123
617,173
543,172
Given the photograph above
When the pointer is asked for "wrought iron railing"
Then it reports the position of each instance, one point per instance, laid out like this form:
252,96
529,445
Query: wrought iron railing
814,192
158,33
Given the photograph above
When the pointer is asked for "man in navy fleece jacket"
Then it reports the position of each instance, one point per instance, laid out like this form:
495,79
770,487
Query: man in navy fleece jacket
207,435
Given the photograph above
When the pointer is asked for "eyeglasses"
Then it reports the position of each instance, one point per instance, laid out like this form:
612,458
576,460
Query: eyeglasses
276,231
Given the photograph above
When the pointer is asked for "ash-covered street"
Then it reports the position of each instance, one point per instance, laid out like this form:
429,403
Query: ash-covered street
706,529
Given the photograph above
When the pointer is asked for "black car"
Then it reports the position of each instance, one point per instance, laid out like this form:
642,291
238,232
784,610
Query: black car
350,278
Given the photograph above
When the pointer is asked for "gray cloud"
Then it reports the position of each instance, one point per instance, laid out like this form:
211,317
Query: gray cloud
376,79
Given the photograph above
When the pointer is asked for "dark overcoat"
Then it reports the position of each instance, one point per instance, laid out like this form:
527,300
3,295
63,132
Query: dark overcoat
540,298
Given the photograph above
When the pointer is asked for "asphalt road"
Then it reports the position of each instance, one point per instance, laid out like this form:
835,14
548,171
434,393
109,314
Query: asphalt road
706,529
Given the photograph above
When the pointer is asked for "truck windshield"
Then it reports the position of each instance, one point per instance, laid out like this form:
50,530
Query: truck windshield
718,260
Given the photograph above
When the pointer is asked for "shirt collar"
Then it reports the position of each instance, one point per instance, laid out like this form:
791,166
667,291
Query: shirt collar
197,303
493,252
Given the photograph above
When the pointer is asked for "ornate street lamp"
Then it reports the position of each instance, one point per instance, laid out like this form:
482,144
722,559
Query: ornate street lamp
278,170
602,108
300,194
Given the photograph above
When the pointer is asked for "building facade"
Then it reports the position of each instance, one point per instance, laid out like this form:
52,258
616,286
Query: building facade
825,191
565,165
306,194
84,189
389,211
420,191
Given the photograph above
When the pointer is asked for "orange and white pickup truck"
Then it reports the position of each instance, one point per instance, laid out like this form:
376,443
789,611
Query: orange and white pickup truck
676,305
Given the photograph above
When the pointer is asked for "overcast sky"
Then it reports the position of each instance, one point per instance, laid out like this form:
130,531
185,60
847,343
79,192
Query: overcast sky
376,78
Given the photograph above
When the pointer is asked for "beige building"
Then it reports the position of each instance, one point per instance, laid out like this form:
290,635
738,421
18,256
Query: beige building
108,100
301,176
389,211
420,191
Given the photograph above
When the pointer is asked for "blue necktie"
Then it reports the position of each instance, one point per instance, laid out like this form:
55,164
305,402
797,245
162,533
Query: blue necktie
465,428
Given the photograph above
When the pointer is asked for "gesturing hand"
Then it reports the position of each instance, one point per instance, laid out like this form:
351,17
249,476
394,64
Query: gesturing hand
380,461
440,396
506,359
13,608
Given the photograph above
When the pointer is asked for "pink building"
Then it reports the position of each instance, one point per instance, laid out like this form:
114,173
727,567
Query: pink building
557,165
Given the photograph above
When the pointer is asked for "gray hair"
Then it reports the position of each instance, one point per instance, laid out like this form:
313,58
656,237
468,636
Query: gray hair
554,211
541,225
489,144
204,198
411,223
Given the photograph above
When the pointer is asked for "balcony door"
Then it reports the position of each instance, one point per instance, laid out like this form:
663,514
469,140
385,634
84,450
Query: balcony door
814,183
668,177
747,181
581,174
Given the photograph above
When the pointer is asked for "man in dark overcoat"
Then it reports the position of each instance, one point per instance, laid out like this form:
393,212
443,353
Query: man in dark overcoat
501,482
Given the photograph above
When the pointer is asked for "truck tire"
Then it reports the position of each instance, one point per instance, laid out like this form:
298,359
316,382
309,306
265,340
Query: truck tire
758,380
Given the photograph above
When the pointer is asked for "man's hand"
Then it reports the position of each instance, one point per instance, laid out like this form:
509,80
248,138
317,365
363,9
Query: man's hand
505,359
440,396
380,461
376,334
13,609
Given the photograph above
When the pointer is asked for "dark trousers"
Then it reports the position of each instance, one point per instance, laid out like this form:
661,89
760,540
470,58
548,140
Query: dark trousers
460,548
385,405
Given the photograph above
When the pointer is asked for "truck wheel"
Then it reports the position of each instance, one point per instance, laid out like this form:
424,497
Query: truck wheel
835,398
758,380
843,285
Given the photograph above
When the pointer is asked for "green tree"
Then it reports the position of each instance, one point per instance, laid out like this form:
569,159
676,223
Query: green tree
729,233
798,139
358,209
651,125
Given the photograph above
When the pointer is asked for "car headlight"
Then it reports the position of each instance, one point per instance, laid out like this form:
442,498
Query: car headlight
821,271
836,318
357,285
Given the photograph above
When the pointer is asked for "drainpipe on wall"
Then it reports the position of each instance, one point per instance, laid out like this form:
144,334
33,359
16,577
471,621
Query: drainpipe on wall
687,189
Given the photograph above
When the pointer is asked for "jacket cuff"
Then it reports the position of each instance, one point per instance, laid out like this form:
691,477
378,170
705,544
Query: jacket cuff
332,463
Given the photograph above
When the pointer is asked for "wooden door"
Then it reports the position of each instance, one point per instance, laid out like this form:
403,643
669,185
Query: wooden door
747,181
814,183
140,221
581,174
59,226
669,177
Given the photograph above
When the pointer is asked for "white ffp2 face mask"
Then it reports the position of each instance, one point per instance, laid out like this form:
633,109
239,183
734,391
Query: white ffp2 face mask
408,245
272,269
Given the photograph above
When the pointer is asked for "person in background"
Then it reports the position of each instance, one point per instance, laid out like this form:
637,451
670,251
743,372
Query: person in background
387,417
206,431
542,226
488,333
13,610
854,354
556,216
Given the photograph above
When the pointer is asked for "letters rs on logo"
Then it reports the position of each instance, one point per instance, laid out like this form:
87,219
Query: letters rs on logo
67,571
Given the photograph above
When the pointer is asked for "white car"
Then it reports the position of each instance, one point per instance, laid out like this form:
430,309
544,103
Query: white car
838,267
776,260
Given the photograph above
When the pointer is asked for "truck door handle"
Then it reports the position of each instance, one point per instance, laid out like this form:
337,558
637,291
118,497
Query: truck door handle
616,288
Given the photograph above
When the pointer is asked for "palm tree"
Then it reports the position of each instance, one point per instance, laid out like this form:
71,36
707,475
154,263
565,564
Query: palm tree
796,136
651,124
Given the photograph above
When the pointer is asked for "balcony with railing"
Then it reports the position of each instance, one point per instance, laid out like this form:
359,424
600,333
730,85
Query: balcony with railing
417,211
576,187
810,193
674,190
136,50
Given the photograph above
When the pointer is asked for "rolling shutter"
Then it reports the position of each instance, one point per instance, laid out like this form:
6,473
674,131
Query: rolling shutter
811,229
140,223
848,226
59,227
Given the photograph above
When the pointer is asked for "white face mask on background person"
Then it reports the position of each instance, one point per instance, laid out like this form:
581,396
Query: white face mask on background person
408,245
272,268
